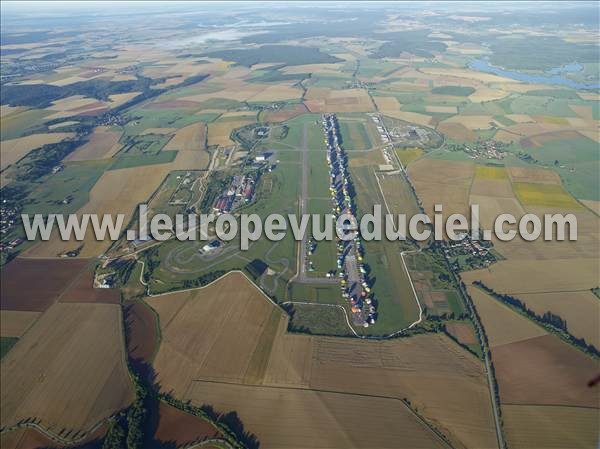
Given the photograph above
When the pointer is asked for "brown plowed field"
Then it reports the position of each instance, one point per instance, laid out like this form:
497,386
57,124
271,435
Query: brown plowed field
142,334
82,290
284,114
463,332
176,426
34,284
544,370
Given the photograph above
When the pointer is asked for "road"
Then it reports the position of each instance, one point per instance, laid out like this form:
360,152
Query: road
302,277
304,202
486,360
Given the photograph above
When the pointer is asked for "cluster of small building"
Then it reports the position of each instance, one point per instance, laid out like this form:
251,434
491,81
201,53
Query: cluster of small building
478,252
239,192
488,149
8,220
354,282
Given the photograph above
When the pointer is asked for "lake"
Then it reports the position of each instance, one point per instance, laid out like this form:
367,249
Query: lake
552,76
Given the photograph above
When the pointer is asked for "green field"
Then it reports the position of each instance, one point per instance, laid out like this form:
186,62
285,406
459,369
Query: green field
72,184
318,293
397,307
163,157
142,119
318,187
459,91
277,192
319,320
355,135
324,256
17,124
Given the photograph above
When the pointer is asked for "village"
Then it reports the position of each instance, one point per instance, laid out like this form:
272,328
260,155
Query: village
354,282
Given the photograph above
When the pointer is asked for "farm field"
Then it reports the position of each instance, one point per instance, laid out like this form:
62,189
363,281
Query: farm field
102,144
531,425
266,355
116,192
34,285
76,349
177,427
15,149
200,109
319,419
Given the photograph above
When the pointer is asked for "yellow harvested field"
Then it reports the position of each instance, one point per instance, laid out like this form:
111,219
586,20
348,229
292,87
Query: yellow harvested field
6,110
385,104
188,138
473,122
73,102
210,333
442,109
506,136
527,276
312,68
62,124
250,115
68,370
456,131
492,205
444,382
544,195
102,144
551,120
486,94
592,205
465,73
533,175
233,90
295,419
408,155
442,182
345,100
491,188
14,323
584,112
593,134
116,192
550,427
497,319
490,172
227,345
13,150
219,131
119,99
277,93
520,118
581,310
412,117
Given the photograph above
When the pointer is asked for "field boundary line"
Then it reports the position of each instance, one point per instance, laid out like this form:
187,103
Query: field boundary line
421,419
278,305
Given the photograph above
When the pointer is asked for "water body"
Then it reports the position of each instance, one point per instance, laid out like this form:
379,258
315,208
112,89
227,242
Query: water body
552,76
